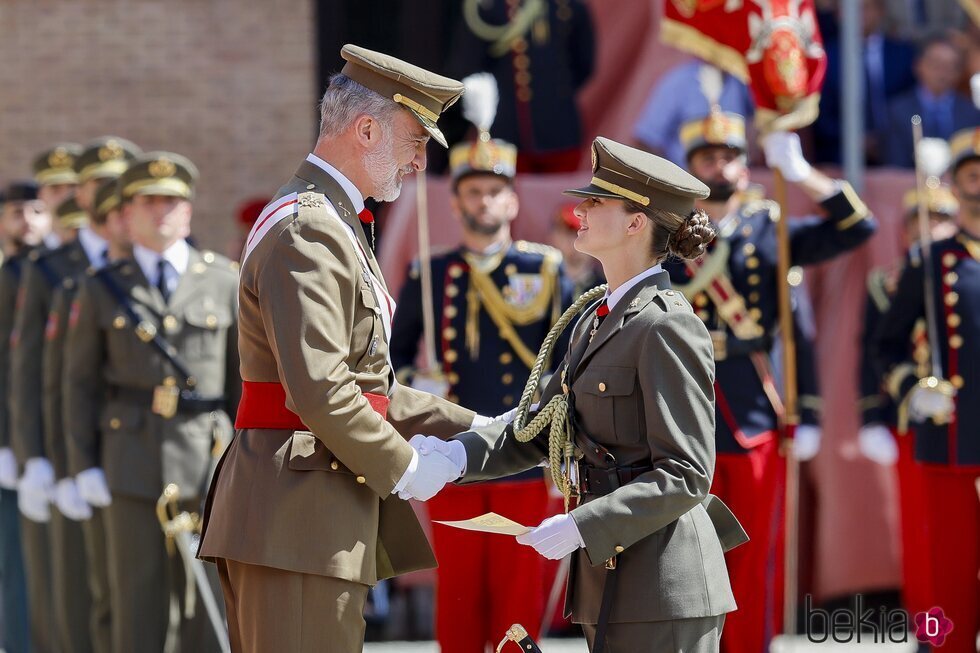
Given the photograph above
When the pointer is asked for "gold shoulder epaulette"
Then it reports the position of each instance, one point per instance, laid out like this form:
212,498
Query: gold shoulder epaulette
537,248
755,206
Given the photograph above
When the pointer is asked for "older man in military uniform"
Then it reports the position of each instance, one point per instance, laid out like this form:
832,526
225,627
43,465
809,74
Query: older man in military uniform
152,376
321,445
25,222
942,405
38,428
734,291
495,301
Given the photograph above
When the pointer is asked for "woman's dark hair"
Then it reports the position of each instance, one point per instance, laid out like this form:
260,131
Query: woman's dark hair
674,235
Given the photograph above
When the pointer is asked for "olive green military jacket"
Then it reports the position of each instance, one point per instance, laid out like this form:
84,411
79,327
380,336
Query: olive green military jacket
43,274
644,389
52,372
110,374
319,501
9,282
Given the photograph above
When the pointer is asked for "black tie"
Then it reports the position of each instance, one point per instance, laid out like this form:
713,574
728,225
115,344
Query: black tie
162,285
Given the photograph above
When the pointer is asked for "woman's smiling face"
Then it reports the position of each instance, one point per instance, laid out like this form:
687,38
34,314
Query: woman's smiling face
604,223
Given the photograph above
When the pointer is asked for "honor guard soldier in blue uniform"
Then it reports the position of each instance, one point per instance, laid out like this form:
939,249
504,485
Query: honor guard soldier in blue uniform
494,302
879,439
24,224
941,406
734,290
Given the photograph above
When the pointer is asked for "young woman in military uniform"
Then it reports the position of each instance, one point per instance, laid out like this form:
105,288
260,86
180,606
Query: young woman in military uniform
628,425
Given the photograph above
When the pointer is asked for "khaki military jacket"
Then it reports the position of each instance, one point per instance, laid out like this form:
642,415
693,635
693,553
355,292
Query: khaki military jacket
43,275
643,389
10,275
319,501
110,374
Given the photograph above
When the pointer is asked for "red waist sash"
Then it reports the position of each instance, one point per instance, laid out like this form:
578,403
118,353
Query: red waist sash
263,406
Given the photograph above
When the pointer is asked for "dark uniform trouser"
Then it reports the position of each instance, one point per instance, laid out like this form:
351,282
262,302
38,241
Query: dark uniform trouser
143,579
699,635
35,540
16,639
100,625
277,610
69,583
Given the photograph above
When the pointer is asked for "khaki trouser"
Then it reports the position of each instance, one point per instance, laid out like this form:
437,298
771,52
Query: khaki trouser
100,620
35,541
146,586
276,610
69,582
699,635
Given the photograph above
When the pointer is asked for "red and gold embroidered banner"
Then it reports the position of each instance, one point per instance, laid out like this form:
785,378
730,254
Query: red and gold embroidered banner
774,46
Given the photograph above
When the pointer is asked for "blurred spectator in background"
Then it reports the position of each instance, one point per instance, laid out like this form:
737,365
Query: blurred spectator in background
581,269
541,53
887,73
918,19
935,97
675,100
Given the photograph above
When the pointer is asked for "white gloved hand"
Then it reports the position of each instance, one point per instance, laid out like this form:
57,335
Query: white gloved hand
784,153
806,441
878,444
70,503
429,474
509,416
924,403
35,490
554,538
8,468
452,449
92,487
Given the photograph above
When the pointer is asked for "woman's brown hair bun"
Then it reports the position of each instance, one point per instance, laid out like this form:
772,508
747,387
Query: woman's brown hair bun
692,237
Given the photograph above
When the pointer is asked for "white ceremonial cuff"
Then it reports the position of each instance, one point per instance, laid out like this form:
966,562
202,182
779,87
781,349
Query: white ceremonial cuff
413,467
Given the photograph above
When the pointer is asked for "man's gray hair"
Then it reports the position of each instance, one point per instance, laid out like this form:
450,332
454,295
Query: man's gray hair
346,99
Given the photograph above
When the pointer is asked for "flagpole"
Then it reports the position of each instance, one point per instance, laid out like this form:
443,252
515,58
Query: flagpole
790,410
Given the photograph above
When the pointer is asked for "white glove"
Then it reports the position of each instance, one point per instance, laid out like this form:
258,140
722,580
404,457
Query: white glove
451,449
924,403
426,475
806,441
509,416
8,469
878,444
93,487
784,153
35,489
70,503
554,538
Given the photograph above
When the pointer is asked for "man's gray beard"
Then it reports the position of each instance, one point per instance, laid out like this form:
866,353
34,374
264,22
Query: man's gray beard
383,170
473,225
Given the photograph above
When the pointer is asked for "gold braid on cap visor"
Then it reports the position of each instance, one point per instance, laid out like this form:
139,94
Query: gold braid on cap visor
415,106
619,190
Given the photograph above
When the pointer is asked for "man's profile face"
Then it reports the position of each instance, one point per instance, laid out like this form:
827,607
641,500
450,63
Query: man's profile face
722,169
399,151
55,194
485,203
157,221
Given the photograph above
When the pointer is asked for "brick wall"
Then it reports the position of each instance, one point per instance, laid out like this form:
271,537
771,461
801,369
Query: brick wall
228,83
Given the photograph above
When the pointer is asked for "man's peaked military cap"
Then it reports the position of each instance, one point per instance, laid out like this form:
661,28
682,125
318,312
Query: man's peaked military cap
964,145
623,172
158,173
106,198
56,165
718,128
70,215
104,158
940,199
423,93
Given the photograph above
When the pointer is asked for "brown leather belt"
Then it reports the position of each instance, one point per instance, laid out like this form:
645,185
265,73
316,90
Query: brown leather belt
600,481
